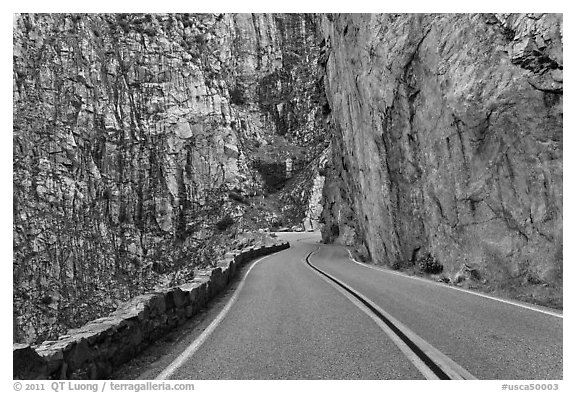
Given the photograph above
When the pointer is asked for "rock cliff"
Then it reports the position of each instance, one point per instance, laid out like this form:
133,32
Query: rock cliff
447,144
139,141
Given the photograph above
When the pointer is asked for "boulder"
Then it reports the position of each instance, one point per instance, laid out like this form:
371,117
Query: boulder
27,364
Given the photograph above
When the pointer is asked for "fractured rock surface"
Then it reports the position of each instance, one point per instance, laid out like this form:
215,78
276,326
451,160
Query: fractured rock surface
448,141
130,133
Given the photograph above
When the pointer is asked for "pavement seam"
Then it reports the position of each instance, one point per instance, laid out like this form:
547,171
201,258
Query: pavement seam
513,303
197,343
432,363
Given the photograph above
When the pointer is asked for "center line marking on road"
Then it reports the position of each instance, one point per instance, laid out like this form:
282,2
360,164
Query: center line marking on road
513,303
431,363
193,347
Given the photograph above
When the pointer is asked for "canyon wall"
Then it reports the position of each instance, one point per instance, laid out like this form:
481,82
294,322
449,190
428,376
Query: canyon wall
447,143
138,140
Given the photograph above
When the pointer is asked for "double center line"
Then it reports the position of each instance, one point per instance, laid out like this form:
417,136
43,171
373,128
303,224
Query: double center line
432,363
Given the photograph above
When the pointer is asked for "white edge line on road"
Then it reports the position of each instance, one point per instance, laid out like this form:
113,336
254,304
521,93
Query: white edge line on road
193,347
450,367
513,303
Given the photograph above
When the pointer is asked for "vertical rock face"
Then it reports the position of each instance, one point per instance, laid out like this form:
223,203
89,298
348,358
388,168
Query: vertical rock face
448,141
130,133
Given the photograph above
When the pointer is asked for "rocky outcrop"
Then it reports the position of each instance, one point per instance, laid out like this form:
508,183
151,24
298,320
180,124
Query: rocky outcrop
94,350
448,143
132,134
303,193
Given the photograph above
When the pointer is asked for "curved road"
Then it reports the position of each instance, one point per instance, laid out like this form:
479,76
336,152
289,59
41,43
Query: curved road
287,321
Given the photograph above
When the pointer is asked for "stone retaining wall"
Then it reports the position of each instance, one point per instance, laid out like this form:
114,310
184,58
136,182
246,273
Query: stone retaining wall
95,349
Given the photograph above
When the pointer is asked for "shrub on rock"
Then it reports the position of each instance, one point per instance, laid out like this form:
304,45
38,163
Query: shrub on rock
430,265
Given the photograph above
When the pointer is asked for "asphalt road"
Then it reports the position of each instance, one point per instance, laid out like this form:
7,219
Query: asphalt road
288,322
490,339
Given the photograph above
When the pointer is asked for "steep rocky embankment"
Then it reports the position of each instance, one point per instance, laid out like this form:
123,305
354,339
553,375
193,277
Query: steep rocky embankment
140,143
448,144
